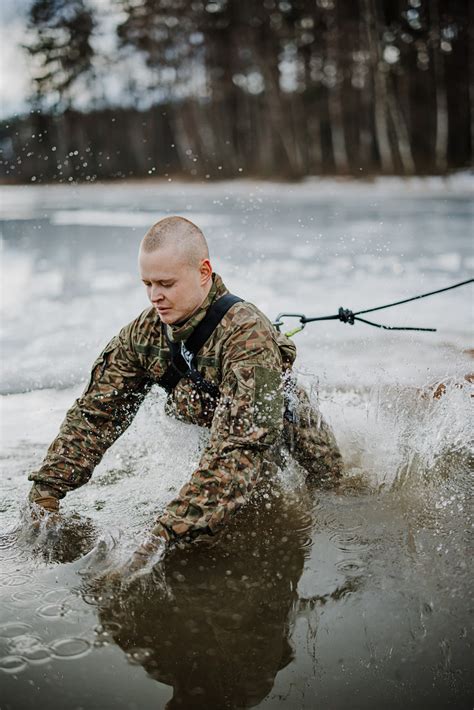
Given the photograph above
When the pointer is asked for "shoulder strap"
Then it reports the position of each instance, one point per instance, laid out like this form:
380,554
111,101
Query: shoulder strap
209,323
181,367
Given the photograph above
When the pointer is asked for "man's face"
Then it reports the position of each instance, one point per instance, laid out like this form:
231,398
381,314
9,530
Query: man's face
175,288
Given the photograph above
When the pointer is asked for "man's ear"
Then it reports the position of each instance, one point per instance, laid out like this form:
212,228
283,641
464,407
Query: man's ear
206,271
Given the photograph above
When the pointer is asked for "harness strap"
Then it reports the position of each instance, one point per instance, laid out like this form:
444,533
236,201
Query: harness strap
183,353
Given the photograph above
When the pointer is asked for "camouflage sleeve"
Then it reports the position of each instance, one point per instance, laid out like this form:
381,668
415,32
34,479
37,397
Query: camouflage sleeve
248,419
116,388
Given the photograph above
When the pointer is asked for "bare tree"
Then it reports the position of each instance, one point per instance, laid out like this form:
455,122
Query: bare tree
442,127
278,87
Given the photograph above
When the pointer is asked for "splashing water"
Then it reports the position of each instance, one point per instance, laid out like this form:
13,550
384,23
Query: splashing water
357,597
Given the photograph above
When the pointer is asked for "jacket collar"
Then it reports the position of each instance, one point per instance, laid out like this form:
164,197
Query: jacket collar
182,331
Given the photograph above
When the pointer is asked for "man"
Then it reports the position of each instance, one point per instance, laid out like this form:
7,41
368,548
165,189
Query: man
234,387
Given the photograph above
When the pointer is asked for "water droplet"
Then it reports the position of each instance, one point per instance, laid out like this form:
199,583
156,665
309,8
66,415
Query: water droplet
138,655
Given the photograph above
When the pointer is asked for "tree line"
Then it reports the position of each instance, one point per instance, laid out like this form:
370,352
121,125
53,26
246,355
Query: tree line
266,88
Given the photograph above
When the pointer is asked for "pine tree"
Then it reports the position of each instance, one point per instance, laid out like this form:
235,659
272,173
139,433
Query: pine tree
59,43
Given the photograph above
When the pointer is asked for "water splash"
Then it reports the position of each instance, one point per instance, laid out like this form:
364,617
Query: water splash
393,436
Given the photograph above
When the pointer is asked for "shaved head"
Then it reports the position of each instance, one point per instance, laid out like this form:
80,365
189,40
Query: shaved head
174,266
180,234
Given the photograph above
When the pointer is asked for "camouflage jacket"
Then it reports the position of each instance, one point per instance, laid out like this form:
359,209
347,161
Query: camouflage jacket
244,357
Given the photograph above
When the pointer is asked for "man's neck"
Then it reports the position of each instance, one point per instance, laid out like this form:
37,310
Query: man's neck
190,315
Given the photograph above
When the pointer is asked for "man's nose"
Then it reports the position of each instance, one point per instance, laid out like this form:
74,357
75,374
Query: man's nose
156,294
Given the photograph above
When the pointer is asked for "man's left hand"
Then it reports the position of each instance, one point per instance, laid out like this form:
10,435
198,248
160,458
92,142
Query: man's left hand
148,554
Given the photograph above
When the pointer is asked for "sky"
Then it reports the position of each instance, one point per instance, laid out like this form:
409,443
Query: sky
14,75
14,68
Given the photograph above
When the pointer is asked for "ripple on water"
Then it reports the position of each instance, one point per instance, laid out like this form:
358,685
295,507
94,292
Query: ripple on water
350,565
13,628
37,655
24,596
70,648
12,664
56,595
14,555
7,542
30,648
14,579
341,523
52,611
347,541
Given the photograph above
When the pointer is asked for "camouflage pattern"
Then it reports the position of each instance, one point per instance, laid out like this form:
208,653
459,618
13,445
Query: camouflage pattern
44,496
311,442
245,357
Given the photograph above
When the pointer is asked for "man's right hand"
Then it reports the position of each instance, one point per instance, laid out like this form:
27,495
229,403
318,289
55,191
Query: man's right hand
43,505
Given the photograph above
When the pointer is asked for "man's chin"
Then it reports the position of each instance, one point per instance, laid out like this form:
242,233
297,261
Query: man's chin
166,316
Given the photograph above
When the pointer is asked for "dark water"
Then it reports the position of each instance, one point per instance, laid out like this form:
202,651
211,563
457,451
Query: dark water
358,598
312,599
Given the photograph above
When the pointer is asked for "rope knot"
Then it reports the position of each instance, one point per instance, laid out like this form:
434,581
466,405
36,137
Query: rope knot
346,316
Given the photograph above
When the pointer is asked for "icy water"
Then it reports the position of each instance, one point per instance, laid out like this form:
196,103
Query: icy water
359,598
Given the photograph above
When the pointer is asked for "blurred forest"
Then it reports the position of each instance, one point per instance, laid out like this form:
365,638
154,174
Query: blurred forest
261,88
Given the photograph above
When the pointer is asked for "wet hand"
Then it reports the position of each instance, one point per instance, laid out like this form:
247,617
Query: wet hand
43,506
41,516
148,554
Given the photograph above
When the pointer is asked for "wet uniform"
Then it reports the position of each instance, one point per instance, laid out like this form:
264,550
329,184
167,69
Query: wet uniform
246,358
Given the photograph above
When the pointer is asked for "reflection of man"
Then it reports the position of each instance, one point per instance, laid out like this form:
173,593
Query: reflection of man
233,386
215,627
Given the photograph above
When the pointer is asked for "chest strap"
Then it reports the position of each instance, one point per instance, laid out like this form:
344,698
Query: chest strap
184,352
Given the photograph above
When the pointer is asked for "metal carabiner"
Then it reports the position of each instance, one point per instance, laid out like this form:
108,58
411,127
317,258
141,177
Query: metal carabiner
279,322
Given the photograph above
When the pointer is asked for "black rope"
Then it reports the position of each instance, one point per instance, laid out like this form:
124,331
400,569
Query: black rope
345,315
414,298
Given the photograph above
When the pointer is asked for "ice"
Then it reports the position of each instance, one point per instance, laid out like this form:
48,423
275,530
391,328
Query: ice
70,282
123,218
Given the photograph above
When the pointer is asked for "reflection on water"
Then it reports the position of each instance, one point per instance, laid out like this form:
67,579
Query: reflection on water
67,540
350,599
215,623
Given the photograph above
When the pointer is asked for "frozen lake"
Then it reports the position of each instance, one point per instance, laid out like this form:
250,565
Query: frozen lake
315,599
